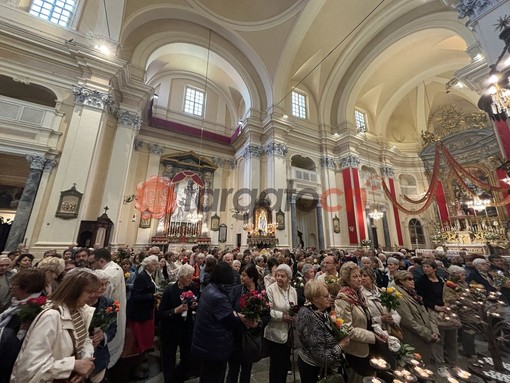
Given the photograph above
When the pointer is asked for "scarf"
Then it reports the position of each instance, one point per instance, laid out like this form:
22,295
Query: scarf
6,316
414,295
354,297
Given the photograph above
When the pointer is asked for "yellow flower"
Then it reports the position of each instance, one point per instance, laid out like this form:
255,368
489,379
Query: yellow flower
383,289
399,295
127,275
390,290
339,321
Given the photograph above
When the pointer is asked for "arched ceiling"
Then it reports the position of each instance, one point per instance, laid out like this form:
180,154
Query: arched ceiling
344,56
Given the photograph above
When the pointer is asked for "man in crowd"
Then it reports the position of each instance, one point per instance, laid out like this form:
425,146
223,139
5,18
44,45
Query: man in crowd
5,278
329,268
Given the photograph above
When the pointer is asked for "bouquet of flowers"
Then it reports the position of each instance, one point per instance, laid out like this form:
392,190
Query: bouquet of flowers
390,298
333,285
500,280
405,354
104,317
30,309
339,327
186,298
452,285
298,282
253,303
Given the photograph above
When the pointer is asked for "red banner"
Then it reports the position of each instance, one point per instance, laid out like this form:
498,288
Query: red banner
441,202
504,136
360,208
349,207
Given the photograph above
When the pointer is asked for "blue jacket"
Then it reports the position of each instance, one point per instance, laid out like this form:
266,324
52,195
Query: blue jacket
214,325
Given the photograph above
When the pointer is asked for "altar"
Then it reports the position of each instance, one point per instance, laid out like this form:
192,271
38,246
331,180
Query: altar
259,225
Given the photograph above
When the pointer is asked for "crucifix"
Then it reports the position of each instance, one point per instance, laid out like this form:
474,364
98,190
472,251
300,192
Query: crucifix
106,208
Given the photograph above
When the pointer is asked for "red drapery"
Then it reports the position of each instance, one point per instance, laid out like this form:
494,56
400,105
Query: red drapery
349,207
360,209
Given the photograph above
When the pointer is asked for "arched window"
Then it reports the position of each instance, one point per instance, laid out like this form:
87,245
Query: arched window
416,233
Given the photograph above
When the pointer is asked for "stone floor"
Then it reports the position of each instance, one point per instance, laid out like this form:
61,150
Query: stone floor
260,371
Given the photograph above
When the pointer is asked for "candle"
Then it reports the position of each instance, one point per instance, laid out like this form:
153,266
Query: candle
414,362
452,380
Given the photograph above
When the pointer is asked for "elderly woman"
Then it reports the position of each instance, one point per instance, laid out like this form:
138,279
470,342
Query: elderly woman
99,337
52,268
56,346
319,346
430,287
451,293
237,362
176,329
141,305
282,299
382,319
481,275
25,285
353,307
419,328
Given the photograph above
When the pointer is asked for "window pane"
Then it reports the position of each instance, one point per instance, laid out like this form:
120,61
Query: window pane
57,11
361,125
298,105
194,101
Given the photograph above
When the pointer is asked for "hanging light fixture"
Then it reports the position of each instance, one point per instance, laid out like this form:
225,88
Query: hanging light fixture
376,214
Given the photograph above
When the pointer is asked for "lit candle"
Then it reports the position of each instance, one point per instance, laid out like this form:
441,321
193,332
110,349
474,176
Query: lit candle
414,362
452,380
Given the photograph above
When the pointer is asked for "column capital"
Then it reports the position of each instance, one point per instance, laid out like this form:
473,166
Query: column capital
36,162
349,161
473,8
50,164
387,171
277,149
137,144
251,151
93,98
156,149
231,164
129,120
327,162
219,162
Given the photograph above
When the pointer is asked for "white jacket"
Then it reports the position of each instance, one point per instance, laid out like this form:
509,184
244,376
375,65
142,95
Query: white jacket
47,351
279,301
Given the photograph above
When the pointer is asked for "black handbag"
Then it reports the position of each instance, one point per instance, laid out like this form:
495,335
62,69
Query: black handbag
251,345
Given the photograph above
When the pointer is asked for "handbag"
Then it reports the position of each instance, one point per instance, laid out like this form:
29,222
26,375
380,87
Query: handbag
251,345
332,377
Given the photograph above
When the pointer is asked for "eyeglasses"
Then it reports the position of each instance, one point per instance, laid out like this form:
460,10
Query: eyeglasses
408,279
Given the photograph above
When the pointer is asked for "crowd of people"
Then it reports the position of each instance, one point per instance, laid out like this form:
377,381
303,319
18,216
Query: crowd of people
100,312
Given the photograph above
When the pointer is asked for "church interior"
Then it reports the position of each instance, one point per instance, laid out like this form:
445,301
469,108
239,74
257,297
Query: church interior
312,123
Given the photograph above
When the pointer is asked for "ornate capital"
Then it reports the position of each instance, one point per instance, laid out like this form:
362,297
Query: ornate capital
231,164
473,8
36,162
137,144
276,149
350,161
327,162
387,171
251,151
129,120
219,162
156,149
93,98
50,164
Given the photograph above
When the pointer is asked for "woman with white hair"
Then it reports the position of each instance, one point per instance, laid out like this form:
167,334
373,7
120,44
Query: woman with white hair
282,300
52,268
140,307
176,326
99,337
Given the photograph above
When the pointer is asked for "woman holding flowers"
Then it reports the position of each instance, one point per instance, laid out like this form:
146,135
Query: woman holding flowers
419,328
26,287
57,346
351,304
282,299
103,327
430,287
321,339
176,326
248,299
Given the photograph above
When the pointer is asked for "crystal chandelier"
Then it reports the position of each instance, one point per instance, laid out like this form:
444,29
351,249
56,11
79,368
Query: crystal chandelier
375,214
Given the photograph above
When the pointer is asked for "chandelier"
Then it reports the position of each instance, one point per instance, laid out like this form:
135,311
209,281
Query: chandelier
375,214
478,204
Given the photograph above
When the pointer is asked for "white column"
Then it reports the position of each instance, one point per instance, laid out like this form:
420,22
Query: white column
82,141
143,236
330,203
128,125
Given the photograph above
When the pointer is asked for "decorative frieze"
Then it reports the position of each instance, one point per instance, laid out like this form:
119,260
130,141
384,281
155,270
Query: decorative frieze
219,162
277,149
387,171
327,162
251,151
349,161
473,8
93,98
129,120
156,149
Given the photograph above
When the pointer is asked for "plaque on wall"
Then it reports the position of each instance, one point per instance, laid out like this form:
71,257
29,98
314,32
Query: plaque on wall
215,222
69,203
280,220
336,224
222,236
